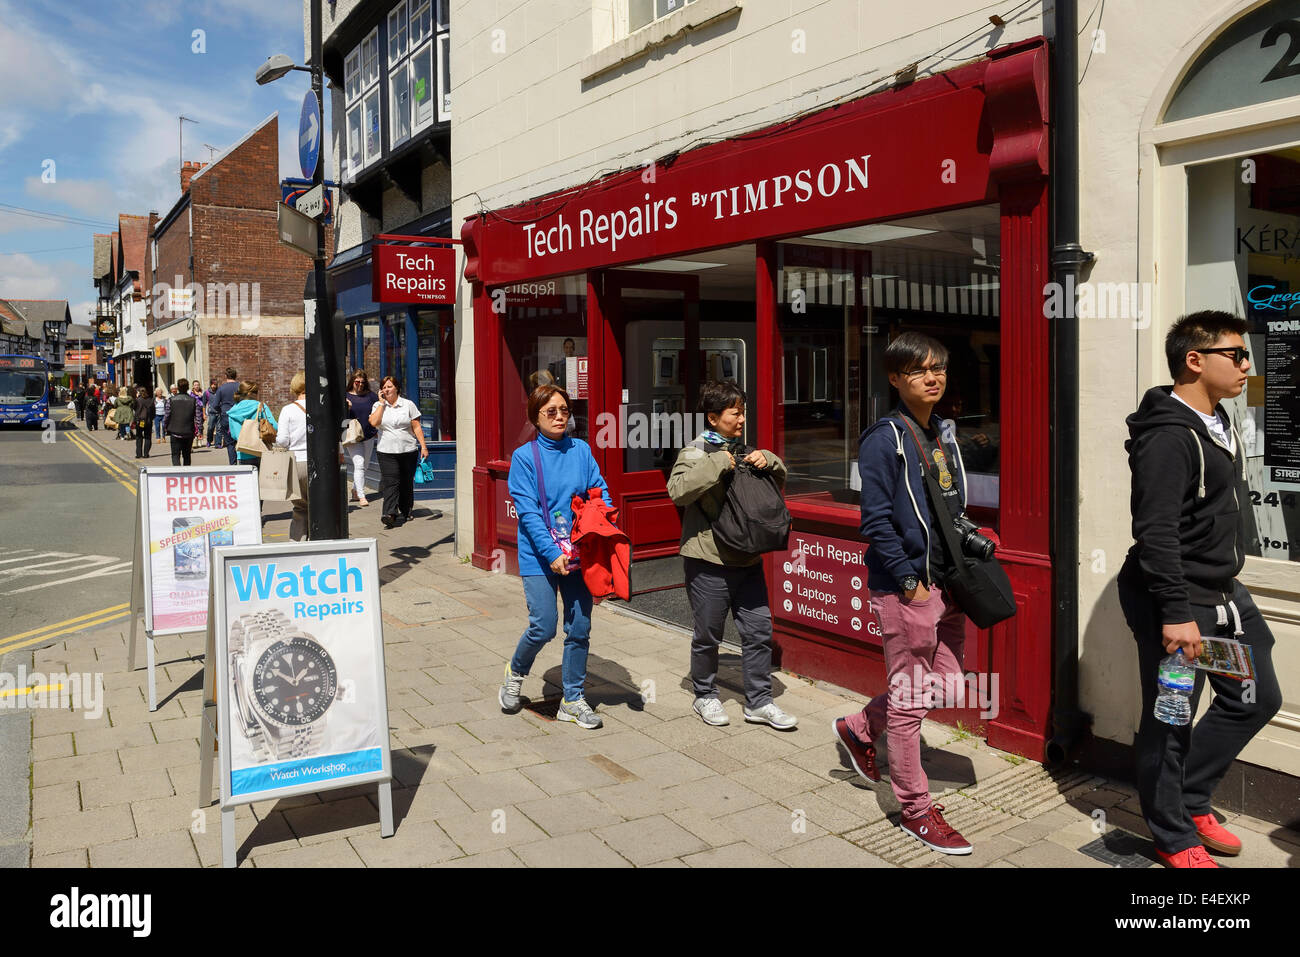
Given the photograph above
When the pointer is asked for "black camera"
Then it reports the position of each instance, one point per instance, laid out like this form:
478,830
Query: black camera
972,542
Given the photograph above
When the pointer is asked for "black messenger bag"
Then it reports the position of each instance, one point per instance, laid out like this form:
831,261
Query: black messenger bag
980,587
753,518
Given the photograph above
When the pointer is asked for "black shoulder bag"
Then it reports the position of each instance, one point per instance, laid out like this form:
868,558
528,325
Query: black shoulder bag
980,587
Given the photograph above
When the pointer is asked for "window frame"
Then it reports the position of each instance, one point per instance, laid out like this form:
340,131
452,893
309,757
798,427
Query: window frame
357,90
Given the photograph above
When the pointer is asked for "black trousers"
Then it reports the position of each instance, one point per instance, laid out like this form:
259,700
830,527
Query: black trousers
181,446
143,442
713,591
1178,768
397,481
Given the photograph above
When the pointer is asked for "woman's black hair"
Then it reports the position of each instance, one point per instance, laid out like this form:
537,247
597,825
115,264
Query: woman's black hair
718,397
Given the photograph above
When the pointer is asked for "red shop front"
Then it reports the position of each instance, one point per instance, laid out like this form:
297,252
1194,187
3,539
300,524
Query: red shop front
786,259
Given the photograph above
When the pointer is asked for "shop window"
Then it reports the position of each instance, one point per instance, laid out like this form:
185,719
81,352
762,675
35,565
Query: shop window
433,391
543,323
1243,234
842,296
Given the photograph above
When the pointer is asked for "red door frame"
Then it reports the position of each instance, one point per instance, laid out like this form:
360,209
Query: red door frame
1012,100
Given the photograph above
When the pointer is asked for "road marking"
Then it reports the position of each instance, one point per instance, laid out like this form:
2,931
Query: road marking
65,559
99,459
27,691
63,624
4,649
120,569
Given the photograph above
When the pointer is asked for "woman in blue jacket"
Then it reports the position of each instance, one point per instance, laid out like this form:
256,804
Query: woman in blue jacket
545,517
247,406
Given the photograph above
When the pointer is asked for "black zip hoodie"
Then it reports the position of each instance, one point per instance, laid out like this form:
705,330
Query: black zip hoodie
1186,502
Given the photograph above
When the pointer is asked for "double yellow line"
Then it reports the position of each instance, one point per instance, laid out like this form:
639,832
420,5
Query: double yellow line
101,459
64,628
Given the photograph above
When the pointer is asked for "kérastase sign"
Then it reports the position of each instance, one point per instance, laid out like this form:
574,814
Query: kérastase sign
413,274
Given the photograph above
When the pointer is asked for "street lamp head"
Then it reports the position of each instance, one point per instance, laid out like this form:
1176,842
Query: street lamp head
275,67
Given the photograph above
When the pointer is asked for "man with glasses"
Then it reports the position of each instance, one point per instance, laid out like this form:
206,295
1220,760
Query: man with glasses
907,563
1190,503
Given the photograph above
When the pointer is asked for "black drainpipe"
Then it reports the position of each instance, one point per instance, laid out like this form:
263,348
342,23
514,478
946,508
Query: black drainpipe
1069,724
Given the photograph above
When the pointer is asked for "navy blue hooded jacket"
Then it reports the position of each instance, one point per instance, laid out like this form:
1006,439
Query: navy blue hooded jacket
895,509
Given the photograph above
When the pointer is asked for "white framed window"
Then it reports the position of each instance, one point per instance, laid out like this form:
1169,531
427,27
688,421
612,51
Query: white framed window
444,76
399,103
421,25
422,87
397,33
642,13
444,22
361,99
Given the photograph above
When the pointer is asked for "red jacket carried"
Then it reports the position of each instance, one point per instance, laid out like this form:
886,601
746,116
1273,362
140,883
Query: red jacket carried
603,550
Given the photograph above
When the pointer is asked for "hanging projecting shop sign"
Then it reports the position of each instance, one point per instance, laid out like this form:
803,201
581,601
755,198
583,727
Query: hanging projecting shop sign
423,275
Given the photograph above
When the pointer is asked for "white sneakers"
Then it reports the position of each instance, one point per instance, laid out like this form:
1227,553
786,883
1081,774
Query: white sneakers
711,712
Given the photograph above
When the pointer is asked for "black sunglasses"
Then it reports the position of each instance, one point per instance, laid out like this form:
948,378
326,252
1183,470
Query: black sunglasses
1236,353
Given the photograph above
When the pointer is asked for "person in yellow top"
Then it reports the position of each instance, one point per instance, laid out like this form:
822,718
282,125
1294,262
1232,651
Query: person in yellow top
717,577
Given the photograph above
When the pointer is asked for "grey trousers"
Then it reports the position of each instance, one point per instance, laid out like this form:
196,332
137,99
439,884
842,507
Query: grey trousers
714,590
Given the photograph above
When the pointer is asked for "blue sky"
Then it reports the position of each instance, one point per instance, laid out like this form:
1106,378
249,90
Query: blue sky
96,86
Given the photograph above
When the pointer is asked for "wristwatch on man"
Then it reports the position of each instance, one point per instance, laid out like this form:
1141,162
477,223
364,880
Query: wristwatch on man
909,583
284,683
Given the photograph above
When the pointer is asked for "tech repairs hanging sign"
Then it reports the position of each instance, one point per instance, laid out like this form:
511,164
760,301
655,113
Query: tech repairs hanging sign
413,274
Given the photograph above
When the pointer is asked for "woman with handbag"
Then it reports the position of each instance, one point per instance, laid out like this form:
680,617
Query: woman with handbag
247,408
397,420
123,409
719,579
143,412
359,441
292,435
545,474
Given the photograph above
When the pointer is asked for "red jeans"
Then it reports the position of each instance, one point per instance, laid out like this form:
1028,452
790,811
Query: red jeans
920,638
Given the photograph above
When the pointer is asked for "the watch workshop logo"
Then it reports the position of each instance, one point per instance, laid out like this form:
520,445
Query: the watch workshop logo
56,690
77,910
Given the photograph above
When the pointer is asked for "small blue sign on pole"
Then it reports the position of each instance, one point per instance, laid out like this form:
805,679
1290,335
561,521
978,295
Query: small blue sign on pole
309,134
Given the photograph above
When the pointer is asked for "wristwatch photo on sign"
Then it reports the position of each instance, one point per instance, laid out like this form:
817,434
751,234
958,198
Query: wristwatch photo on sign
284,683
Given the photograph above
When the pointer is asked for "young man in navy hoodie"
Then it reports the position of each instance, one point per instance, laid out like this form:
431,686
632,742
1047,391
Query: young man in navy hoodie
1190,505
907,562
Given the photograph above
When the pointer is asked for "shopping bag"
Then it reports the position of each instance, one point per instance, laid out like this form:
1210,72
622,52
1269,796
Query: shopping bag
352,433
277,478
250,439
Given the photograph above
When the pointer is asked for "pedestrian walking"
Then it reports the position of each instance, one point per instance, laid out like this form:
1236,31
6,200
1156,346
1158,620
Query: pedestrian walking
225,399
923,630
247,406
158,401
361,402
143,414
291,434
198,400
123,409
401,448
179,416
92,410
209,412
545,474
719,579
79,398
1179,583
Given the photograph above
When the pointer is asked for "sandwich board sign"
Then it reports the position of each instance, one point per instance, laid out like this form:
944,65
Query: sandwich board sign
183,513
294,676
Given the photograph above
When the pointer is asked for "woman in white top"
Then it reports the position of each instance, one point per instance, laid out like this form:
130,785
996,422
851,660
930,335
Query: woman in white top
401,448
292,435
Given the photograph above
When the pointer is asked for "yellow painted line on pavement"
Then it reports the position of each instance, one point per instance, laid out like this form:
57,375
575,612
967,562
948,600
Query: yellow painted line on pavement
63,624
102,456
113,472
27,691
4,649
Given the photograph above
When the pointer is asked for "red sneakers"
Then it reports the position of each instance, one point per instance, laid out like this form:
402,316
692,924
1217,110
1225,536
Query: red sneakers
862,755
1192,857
933,831
1215,836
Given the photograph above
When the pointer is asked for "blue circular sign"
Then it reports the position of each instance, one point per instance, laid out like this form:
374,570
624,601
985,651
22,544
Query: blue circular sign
309,134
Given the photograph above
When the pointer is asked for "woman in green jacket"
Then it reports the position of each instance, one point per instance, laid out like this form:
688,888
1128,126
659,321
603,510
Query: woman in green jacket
719,579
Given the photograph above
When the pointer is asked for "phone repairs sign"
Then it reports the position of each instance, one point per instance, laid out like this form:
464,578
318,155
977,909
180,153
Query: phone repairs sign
187,512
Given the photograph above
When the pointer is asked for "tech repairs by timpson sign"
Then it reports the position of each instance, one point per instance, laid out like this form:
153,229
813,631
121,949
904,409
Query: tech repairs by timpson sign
413,274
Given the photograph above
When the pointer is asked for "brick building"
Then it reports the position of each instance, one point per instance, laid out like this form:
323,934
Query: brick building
224,290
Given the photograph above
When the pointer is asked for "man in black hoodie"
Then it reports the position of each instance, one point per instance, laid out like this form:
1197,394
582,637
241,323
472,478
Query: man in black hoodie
1179,582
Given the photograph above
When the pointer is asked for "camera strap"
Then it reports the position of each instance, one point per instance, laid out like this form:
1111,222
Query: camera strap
938,508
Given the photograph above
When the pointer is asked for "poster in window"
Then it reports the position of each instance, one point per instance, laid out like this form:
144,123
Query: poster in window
552,353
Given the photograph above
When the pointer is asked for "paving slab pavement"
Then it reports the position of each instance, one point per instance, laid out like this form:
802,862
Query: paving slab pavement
476,788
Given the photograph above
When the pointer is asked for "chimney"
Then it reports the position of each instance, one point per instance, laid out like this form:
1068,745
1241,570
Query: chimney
188,169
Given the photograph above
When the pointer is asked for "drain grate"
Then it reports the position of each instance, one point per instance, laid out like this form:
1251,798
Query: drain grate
1014,796
1120,848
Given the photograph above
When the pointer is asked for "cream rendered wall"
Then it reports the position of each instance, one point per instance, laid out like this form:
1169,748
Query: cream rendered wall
524,123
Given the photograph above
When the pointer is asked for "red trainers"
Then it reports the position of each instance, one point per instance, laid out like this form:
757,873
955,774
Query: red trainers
933,831
1192,857
1215,836
863,756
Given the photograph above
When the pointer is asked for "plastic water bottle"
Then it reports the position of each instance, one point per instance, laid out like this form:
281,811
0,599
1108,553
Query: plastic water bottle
561,532
1177,677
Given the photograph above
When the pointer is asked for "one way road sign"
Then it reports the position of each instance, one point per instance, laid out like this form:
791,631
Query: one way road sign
309,134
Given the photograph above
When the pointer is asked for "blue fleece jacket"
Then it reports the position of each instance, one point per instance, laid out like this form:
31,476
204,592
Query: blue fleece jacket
568,469
895,509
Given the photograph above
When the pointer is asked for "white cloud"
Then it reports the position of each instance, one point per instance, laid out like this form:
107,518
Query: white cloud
22,277
95,197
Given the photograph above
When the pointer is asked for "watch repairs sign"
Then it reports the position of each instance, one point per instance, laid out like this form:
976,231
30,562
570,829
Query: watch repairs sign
298,648
413,274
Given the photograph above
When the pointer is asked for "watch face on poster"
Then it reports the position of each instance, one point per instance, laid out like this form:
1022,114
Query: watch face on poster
294,682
